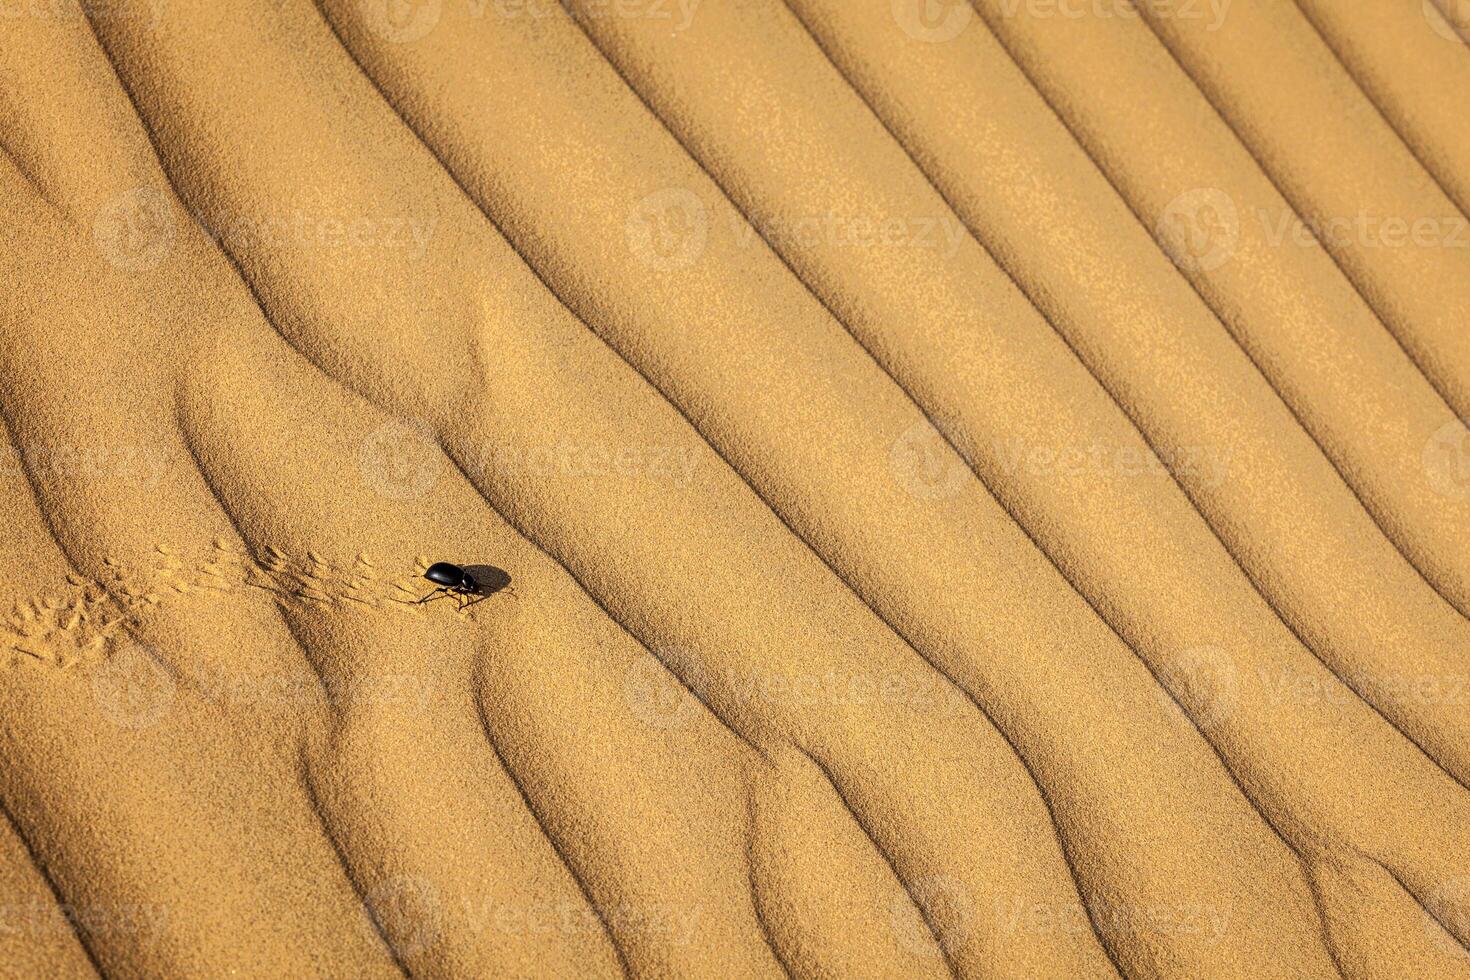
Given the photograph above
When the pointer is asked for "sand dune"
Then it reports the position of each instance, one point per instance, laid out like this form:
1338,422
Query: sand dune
984,488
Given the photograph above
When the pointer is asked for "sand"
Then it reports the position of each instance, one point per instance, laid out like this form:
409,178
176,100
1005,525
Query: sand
984,486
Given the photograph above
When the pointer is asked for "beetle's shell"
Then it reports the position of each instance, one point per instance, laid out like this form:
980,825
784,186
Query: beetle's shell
445,573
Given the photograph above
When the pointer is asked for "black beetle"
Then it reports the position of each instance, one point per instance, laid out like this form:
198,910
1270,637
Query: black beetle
458,582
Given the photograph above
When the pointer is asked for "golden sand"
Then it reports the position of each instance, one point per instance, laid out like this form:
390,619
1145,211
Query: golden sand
981,483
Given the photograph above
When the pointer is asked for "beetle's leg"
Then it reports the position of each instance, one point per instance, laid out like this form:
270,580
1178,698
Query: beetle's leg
432,595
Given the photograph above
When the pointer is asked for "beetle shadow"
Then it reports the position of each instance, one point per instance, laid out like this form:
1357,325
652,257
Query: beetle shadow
489,580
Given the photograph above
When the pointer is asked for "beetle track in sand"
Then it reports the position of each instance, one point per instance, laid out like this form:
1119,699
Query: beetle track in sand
76,622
